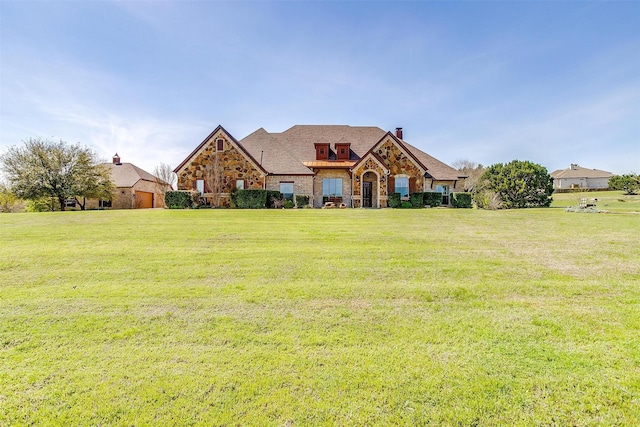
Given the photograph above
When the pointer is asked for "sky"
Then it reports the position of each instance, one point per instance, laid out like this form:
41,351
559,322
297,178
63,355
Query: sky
550,82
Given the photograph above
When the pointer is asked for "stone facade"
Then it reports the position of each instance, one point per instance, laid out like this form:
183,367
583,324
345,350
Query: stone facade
221,169
390,161
292,157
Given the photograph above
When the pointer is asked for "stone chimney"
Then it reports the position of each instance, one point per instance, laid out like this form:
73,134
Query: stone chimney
399,133
116,160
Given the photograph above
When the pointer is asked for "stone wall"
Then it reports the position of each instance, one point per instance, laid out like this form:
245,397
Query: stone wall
399,163
220,170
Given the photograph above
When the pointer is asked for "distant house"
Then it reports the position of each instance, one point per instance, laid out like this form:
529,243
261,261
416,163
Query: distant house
576,177
135,188
358,166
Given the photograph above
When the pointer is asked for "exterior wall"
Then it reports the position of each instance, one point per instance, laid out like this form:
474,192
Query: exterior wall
124,197
380,187
394,162
227,166
302,185
331,173
589,183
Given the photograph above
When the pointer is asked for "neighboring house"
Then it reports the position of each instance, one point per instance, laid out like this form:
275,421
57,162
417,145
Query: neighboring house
135,188
357,166
580,178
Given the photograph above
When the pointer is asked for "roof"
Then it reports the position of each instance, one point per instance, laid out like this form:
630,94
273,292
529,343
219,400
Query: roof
292,152
127,174
576,171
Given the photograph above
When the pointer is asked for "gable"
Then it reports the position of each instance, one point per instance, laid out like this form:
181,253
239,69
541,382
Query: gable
209,144
395,157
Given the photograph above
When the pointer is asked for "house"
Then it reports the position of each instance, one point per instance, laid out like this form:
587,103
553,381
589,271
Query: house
355,165
135,188
576,177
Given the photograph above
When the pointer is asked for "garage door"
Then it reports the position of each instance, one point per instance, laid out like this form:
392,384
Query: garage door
144,200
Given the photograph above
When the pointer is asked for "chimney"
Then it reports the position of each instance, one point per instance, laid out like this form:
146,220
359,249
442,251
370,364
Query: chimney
116,160
399,133
574,166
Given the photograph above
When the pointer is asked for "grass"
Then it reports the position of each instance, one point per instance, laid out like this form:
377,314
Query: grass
610,201
320,317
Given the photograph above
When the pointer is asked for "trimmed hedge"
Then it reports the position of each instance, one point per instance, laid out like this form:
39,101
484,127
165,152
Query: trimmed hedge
432,199
417,200
302,200
273,195
178,199
251,199
394,200
461,200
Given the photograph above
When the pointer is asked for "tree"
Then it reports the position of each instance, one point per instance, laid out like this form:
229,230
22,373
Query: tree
8,200
472,170
43,168
519,184
213,177
629,183
164,176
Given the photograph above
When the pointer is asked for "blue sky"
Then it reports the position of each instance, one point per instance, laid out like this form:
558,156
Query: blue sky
550,82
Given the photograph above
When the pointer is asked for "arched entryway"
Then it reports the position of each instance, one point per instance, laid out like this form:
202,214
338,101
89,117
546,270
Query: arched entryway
370,191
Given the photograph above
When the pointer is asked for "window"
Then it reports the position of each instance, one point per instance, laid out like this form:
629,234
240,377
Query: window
332,187
219,144
200,185
104,204
402,186
322,151
342,151
286,188
444,190
240,184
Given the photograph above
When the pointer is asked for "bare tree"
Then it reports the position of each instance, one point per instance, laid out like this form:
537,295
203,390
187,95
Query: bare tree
213,178
473,171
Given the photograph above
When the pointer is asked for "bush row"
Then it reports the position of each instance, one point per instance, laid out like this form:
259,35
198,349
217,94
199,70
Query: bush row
433,199
461,200
180,199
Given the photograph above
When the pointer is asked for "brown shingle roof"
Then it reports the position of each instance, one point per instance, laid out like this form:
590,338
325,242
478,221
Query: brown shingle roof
288,152
127,174
576,171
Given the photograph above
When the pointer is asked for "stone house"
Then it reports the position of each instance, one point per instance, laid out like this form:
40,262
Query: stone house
576,177
135,188
358,166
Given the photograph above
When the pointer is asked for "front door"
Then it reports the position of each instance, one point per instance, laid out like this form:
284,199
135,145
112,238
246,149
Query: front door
366,194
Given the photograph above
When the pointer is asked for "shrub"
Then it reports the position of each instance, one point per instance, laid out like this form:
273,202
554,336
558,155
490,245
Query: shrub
302,200
518,184
432,199
629,183
287,204
394,200
487,200
274,199
251,199
178,199
417,200
461,200
406,205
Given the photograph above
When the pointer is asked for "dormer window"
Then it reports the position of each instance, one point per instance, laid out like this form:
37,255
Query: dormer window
342,151
322,151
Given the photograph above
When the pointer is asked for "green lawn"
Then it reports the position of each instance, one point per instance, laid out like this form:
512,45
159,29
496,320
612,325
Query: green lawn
320,317
611,201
